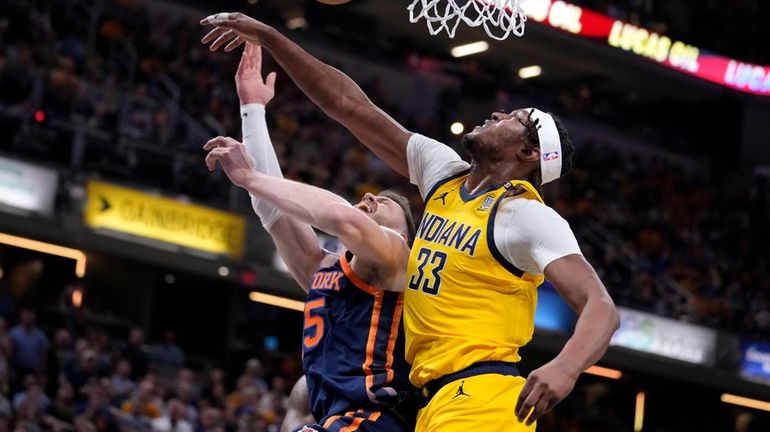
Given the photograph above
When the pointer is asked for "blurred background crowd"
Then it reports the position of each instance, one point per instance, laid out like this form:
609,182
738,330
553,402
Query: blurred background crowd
123,90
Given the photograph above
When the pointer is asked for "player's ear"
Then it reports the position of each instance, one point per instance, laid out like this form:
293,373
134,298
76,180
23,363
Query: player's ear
529,153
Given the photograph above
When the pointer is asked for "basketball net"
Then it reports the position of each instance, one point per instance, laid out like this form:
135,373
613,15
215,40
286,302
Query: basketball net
500,18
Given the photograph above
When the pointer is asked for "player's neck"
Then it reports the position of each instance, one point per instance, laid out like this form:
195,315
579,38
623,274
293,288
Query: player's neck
483,175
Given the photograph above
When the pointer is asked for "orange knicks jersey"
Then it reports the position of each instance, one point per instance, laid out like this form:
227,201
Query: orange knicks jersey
464,302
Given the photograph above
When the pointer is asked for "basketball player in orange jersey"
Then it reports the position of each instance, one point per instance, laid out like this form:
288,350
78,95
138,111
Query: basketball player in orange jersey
486,242
353,348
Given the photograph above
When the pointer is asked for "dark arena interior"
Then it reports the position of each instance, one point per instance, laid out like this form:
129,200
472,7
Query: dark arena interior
140,292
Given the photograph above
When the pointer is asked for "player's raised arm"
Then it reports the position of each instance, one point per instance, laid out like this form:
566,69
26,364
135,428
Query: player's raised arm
295,240
358,232
333,91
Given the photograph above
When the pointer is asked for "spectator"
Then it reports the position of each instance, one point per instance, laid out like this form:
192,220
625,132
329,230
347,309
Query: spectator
167,354
82,374
29,345
121,385
62,410
31,403
210,421
215,391
174,420
143,403
253,374
136,354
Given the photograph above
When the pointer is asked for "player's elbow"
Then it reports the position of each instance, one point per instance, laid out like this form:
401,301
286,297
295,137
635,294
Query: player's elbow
347,107
613,316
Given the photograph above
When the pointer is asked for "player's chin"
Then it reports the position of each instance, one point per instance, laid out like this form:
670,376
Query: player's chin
468,141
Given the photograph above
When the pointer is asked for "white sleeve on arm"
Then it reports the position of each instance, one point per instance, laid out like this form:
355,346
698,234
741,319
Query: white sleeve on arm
531,235
257,141
430,162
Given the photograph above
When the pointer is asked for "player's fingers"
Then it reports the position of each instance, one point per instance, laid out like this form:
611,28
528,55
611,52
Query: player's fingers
244,63
234,44
220,19
213,34
551,404
525,391
214,142
211,160
540,408
219,141
257,56
270,81
527,405
248,56
224,38
213,156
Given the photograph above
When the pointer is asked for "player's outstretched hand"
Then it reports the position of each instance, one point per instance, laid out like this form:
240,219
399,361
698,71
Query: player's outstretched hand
233,158
545,387
233,29
248,80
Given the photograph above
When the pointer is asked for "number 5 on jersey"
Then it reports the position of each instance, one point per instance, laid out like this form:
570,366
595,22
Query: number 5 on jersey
314,323
428,275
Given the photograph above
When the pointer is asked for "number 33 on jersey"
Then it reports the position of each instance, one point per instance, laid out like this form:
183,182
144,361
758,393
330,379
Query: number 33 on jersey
463,299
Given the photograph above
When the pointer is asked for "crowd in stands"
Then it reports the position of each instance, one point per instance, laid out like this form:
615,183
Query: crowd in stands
64,381
136,99
688,247
696,246
692,248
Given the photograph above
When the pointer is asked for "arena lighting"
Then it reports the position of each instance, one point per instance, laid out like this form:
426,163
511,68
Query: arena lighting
296,23
51,249
223,271
530,72
639,412
276,301
77,297
604,372
469,49
457,128
745,402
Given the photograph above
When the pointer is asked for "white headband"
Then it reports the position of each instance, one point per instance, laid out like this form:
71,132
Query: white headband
550,145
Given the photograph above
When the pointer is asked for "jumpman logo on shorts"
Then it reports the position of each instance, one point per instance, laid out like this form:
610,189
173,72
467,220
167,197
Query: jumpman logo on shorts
460,391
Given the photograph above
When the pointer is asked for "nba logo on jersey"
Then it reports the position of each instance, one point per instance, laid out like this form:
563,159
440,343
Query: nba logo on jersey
550,156
488,203
308,429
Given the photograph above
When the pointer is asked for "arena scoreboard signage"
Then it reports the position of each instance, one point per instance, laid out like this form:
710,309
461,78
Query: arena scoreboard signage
27,187
153,217
756,361
665,337
671,53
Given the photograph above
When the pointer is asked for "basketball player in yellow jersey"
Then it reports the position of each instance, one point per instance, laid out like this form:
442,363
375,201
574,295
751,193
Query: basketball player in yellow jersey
486,243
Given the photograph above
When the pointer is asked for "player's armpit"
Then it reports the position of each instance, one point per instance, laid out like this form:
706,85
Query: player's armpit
298,246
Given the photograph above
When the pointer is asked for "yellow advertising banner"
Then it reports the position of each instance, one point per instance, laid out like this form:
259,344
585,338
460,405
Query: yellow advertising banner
131,211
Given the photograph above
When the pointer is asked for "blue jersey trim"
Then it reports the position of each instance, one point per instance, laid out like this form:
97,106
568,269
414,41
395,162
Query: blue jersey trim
465,196
493,247
443,182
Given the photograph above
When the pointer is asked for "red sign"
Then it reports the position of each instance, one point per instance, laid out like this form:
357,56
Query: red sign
674,54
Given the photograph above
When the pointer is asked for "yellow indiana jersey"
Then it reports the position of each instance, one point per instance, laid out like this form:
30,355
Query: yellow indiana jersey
464,302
